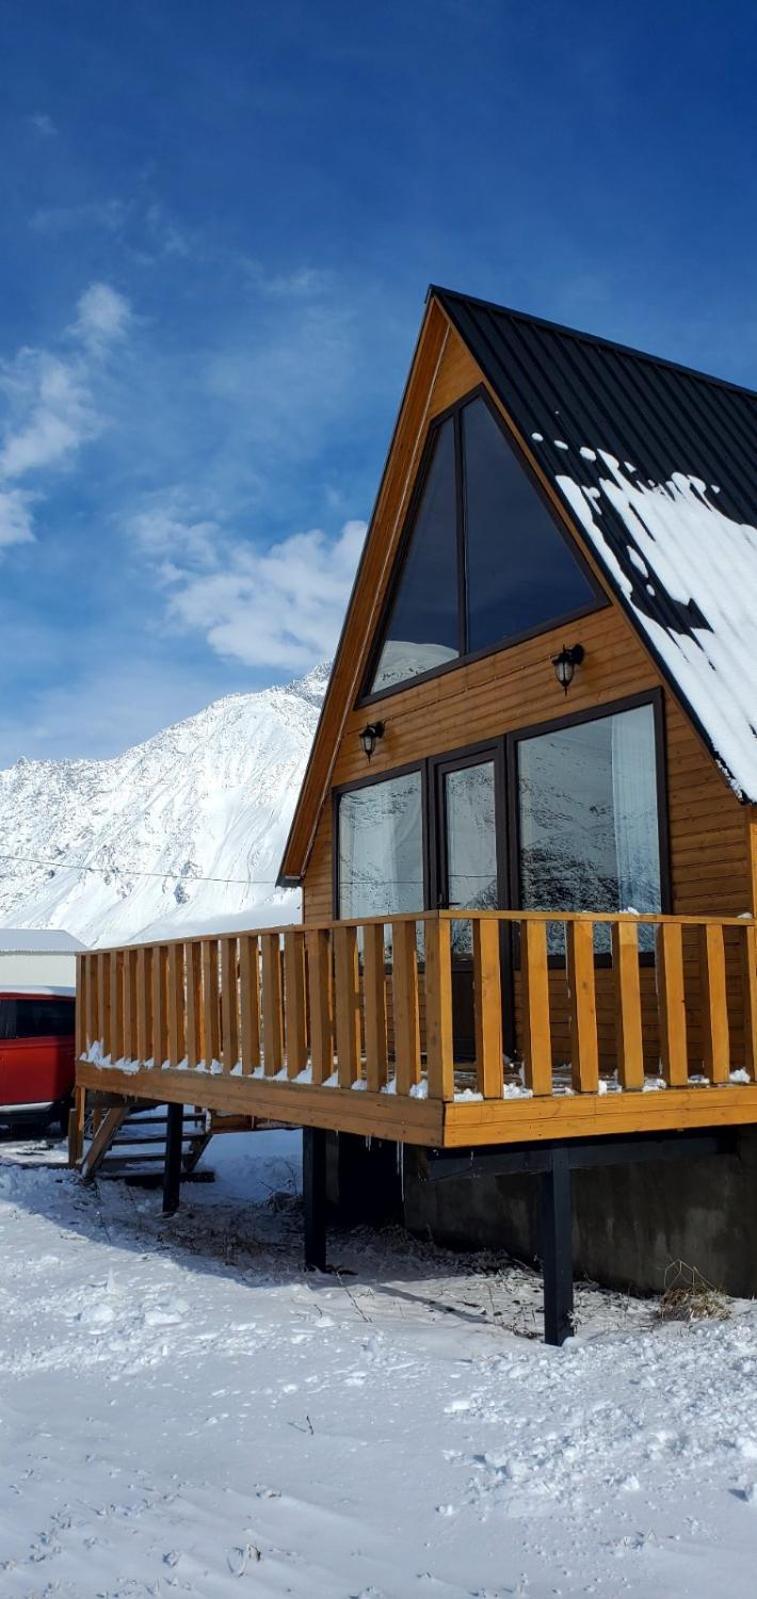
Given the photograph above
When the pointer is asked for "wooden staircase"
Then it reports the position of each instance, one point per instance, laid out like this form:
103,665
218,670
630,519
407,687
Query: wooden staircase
128,1141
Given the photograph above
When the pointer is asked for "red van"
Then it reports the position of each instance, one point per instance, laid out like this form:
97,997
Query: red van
36,1055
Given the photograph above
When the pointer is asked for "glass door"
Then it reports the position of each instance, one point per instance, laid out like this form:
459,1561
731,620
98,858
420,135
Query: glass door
470,866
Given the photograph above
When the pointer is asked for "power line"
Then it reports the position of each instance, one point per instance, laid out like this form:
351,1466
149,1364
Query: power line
127,871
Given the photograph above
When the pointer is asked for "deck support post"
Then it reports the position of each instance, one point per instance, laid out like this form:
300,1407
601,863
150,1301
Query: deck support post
557,1247
172,1168
314,1196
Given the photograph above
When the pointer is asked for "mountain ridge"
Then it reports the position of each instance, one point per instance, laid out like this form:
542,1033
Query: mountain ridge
182,831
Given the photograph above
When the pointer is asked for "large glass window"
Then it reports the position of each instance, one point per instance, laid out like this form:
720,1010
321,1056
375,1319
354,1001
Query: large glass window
484,562
381,848
471,846
588,817
520,571
423,628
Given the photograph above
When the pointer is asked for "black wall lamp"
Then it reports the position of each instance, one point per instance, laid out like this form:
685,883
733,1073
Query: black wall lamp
370,735
565,664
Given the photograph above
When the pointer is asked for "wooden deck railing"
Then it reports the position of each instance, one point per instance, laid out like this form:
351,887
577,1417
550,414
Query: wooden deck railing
381,1005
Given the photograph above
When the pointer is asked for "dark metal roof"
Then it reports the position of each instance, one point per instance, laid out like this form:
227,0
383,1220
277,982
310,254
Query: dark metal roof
657,467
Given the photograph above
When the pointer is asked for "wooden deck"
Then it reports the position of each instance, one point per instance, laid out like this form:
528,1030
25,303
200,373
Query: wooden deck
353,1025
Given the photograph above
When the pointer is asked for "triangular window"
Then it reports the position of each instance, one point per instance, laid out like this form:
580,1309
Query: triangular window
484,563
520,572
423,629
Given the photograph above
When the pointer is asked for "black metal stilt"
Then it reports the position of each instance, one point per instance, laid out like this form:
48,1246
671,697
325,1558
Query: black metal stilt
172,1168
557,1248
314,1196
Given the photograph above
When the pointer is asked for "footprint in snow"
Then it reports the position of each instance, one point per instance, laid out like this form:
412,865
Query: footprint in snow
241,1557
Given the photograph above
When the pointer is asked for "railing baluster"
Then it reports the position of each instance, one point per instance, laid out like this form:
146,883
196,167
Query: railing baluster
672,1005
487,1008
211,1019
117,1005
159,1011
319,994
374,1002
81,1003
407,1027
347,1005
537,1035
176,1004
440,1055
294,1003
583,1007
249,1002
627,983
748,942
273,1019
193,961
90,1001
714,1004
103,999
131,1047
229,1005
142,1022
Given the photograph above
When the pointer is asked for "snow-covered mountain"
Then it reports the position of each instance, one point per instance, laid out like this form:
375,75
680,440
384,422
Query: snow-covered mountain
210,798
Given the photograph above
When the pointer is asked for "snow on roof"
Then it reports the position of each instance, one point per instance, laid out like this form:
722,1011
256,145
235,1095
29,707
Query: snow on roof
656,466
38,941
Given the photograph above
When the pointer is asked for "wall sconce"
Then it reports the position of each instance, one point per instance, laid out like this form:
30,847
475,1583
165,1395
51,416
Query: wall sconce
565,664
370,735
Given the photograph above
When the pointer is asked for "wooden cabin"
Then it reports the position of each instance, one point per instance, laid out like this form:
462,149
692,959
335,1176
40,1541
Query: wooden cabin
527,834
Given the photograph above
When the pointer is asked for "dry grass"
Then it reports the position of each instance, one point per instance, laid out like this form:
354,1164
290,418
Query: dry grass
687,1296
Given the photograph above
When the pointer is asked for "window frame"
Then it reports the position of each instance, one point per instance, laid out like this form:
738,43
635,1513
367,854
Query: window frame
465,656
655,699
421,767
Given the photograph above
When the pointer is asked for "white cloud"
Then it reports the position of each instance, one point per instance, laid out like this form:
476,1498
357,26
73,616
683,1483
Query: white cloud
15,517
104,314
51,405
166,535
282,607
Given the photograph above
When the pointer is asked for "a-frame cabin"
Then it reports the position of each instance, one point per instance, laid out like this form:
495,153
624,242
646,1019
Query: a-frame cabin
526,836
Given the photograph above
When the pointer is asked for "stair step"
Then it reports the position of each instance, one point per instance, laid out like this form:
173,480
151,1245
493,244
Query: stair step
123,1160
134,1136
162,1121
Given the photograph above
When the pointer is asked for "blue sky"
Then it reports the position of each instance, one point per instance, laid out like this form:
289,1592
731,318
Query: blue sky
218,224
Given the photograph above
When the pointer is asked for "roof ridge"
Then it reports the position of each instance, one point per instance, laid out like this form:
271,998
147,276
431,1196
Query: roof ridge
590,338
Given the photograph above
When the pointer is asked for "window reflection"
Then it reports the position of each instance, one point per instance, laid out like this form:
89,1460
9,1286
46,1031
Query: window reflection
589,835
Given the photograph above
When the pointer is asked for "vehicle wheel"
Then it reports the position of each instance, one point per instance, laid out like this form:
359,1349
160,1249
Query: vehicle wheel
61,1112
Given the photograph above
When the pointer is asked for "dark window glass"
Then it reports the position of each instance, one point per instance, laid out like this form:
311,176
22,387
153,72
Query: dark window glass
521,573
589,835
423,628
7,1018
381,848
44,1018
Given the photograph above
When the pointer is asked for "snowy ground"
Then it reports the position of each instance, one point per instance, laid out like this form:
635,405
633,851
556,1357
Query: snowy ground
183,1411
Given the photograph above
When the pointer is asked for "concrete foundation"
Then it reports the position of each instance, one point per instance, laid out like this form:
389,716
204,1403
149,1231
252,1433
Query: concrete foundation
629,1222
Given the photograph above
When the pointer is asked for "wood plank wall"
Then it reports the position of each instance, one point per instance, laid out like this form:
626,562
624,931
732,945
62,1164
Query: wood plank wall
713,841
